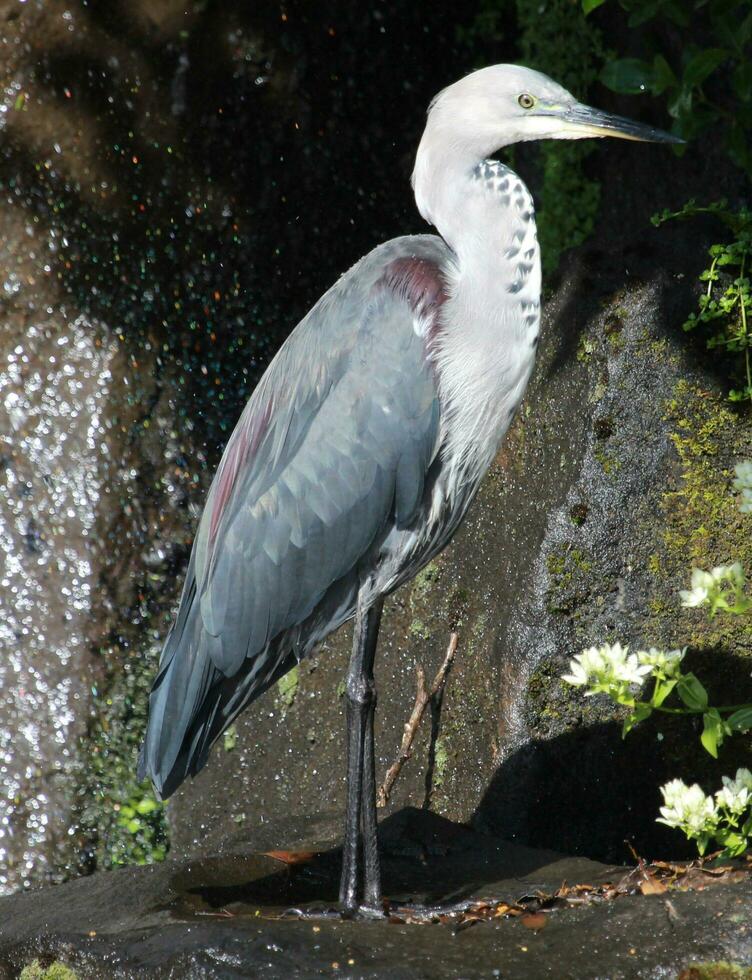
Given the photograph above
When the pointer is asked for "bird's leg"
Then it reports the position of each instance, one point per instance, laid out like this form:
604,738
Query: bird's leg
360,819
372,877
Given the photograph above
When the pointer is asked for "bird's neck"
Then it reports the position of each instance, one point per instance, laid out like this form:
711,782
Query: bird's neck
485,213
492,314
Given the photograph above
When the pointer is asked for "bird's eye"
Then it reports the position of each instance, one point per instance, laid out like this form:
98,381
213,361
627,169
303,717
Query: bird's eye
526,101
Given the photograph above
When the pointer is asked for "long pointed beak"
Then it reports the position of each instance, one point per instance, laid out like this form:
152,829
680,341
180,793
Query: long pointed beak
585,120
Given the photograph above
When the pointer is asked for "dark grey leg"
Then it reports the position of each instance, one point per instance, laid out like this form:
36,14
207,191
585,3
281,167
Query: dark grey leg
360,819
372,878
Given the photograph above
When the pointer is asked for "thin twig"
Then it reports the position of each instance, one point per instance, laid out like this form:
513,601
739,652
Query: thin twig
423,696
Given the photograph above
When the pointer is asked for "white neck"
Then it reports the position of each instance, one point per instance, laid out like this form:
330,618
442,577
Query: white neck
485,214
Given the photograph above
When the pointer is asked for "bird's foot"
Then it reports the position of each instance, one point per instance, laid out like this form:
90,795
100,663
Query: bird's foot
360,912
372,912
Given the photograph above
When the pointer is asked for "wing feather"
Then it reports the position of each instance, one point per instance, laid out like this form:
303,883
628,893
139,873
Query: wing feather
329,454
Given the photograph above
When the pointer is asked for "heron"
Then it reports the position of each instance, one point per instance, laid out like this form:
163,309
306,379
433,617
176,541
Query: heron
361,448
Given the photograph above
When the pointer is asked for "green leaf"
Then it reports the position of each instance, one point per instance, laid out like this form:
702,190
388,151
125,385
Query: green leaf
692,693
645,11
590,5
741,720
741,81
630,76
735,844
712,732
662,691
663,75
703,64
640,713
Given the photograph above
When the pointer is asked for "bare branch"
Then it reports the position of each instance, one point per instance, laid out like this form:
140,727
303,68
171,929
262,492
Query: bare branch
423,697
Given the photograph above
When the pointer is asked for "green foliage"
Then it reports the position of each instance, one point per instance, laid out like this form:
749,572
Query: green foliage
568,200
121,817
709,85
55,971
287,686
612,670
230,739
726,817
724,313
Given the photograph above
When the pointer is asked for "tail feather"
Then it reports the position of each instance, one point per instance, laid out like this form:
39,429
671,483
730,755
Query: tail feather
192,702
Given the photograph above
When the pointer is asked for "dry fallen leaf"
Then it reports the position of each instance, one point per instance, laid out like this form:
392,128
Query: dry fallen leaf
650,885
534,921
291,857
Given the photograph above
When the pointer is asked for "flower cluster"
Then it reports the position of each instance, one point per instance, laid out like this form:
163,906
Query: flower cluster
704,818
664,662
720,588
743,482
687,808
611,669
608,669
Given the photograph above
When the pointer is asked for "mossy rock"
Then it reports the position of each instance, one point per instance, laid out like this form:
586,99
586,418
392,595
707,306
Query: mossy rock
55,971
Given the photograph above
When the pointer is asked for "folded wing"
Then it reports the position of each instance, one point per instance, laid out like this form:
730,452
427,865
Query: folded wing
330,453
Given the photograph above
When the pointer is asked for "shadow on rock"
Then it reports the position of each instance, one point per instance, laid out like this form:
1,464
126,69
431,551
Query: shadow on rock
425,858
590,791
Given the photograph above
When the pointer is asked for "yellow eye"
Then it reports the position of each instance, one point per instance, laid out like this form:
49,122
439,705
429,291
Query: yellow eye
526,101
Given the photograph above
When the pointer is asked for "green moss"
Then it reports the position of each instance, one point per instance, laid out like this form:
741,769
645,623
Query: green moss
424,582
287,686
578,513
609,463
441,762
654,563
569,572
585,349
230,739
55,971
556,563
702,523
721,970
419,630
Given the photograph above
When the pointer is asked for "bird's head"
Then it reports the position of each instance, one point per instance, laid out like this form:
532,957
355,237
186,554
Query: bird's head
505,104
495,107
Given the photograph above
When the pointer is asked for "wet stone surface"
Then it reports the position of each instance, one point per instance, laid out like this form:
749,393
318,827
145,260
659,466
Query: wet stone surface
219,916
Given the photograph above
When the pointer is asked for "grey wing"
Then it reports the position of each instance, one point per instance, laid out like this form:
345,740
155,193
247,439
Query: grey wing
329,455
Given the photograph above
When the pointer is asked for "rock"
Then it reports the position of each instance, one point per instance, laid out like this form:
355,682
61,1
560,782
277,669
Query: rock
218,916
583,532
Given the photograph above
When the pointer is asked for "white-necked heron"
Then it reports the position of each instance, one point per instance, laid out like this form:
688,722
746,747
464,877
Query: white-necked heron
360,450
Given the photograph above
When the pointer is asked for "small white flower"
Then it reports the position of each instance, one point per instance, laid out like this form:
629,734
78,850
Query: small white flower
666,661
606,668
734,798
729,573
743,472
703,584
688,808
707,586
736,794
743,482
